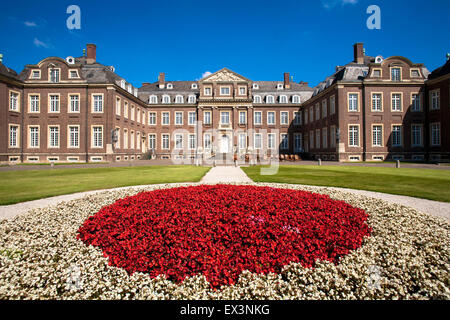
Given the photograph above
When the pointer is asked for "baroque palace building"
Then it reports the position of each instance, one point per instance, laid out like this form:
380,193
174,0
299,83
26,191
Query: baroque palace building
78,110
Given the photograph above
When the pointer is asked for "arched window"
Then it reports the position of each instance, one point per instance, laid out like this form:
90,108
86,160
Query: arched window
153,99
257,99
296,99
191,99
270,99
283,99
179,99
166,99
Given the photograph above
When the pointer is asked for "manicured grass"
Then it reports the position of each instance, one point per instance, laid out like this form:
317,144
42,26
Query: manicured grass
20,186
421,183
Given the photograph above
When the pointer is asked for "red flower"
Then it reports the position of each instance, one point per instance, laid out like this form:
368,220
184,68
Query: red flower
221,230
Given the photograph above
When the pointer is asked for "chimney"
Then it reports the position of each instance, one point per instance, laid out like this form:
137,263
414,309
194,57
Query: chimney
162,80
145,83
303,83
91,53
358,52
287,83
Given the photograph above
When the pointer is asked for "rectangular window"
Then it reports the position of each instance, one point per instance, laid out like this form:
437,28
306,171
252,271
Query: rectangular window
435,100
192,142
54,137
317,111
377,102
14,101
284,117
396,102
192,118
298,142
54,75
224,117
353,102
178,118
257,117
271,117
317,138
311,115
396,135
242,141
377,136
242,91
132,140
34,137
395,74
297,118
416,133
306,116
74,101
138,115
54,103
207,91
415,102
332,105
332,136
118,106
132,113
73,74
152,141
74,137
125,139
165,118
97,137
224,91
271,141
125,109
258,141
324,109
207,141
207,117
311,139
152,118
13,136
353,136
34,103
324,138
435,134
242,117
284,141
36,74
178,141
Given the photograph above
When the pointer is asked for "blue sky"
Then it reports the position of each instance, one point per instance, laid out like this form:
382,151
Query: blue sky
258,39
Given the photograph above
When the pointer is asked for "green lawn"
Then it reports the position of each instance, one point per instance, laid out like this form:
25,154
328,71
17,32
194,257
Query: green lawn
422,183
20,186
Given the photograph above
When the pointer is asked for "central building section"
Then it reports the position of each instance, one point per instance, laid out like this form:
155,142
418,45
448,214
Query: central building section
224,107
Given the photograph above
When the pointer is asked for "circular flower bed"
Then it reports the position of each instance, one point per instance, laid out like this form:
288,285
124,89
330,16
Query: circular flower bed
220,231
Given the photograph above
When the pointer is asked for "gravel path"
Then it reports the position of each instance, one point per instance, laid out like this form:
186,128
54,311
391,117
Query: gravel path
226,175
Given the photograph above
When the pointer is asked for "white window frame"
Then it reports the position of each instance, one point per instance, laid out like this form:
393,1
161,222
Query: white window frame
163,118
69,98
254,118
32,139
377,136
70,145
177,118
36,104
269,114
284,120
14,137
352,137
207,119
14,103
49,135
50,95
393,142
94,137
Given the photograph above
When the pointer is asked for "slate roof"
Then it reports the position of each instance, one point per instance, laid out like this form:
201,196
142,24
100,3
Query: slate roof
7,72
441,71
271,86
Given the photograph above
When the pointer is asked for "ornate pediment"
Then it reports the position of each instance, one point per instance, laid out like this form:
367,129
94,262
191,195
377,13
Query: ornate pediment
224,75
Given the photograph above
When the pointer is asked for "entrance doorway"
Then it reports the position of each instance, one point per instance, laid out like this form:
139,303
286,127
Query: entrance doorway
225,144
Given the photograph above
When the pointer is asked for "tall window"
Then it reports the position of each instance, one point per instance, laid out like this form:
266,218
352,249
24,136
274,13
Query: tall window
242,117
416,133
165,141
435,101
152,141
166,99
257,117
13,136
377,136
284,141
306,116
54,75
207,117
34,137
138,115
97,137
132,113
270,117
435,134
132,140
224,117
270,99
396,102
153,99
54,137
178,118
207,141
298,142
317,111
242,141
54,103
207,91
317,138
74,101
298,118
353,136
257,99
324,108
395,74
257,141
271,141
125,139
376,102
165,118
192,142
34,103
152,118
74,137
415,102
332,104
353,102
191,99
311,139
283,99
179,99
296,99
332,136
324,138
311,115
125,109
284,117
13,101
396,135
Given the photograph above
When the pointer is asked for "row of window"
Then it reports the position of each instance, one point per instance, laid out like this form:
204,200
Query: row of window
54,136
166,99
54,75
396,73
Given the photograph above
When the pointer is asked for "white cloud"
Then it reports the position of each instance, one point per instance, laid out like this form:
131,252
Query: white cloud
30,24
329,4
38,43
205,74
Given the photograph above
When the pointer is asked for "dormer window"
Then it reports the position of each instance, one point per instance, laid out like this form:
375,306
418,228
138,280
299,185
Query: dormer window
296,99
166,99
179,99
129,88
36,74
224,91
122,84
242,91
283,99
376,73
257,99
396,74
153,99
191,99
255,86
135,92
169,86
54,75
194,86
73,74
415,73
207,91
280,86
270,99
